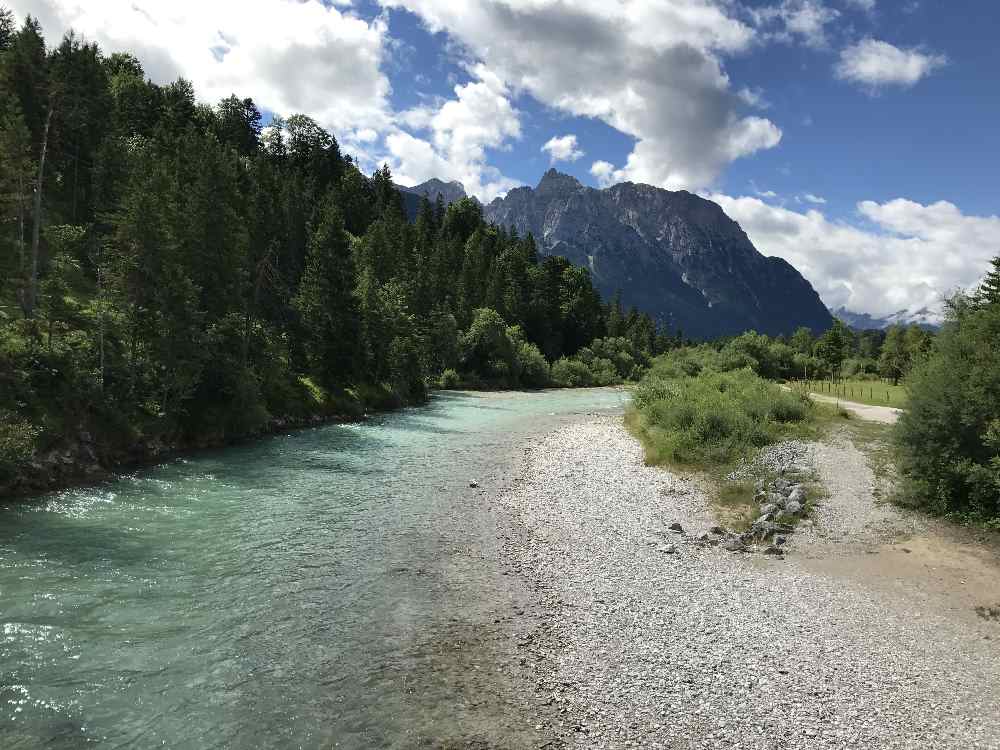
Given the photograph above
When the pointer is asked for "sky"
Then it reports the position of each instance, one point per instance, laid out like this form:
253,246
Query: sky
857,139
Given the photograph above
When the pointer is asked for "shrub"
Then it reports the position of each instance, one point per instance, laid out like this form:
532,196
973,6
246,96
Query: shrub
949,437
449,380
17,445
713,418
571,373
534,368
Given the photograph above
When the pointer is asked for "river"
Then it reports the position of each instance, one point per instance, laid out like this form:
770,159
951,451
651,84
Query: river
334,587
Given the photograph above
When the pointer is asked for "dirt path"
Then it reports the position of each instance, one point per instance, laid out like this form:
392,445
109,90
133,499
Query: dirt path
886,414
650,639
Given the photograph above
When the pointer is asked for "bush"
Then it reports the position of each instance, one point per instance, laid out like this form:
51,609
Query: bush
449,380
534,368
949,437
712,418
571,373
17,445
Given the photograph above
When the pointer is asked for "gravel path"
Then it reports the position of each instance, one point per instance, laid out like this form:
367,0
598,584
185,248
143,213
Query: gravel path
651,640
885,414
850,519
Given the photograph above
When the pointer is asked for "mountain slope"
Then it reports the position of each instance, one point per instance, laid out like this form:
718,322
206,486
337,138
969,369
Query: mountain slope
925,317
450,192
672,254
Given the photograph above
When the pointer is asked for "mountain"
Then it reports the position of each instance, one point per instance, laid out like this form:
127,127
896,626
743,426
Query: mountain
673,255
451,192
925,317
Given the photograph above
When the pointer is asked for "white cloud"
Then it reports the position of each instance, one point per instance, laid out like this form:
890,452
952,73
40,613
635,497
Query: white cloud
461,130
753,98
562,148
603,172
289,55
910,256
647,68
796,20
866,5
814,199
875,63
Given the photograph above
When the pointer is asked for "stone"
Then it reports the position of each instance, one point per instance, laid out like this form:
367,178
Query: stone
677,527
780,540
734,544
667,550
769,509
774,550
798,494
794,507
473,484
781,485
763,519
718,530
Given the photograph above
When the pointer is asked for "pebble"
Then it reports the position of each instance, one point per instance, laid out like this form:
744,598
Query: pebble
707,651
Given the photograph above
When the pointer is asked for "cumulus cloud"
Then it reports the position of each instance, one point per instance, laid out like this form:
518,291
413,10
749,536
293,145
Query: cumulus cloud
815,199
459,132
866,5
562,148
649,69
874,63
289,55
796,20
908,258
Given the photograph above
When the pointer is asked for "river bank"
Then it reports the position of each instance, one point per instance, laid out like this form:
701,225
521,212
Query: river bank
652,639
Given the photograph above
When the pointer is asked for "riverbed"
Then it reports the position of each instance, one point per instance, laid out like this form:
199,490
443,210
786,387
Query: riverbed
334,587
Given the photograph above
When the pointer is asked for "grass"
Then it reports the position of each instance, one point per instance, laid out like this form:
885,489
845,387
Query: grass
712,419
709,424
872,392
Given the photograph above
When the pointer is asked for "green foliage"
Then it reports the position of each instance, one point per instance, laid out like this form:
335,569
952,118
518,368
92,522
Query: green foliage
201,278
17,445
449,379
949,438
710,417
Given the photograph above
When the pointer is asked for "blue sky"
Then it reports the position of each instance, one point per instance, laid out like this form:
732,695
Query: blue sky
855,138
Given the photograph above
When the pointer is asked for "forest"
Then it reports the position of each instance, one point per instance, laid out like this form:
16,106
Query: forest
174,274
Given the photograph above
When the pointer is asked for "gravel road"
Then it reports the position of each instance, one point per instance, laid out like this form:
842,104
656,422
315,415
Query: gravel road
651,640
885,414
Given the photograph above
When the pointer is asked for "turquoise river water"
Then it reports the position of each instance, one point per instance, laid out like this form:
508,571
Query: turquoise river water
304,590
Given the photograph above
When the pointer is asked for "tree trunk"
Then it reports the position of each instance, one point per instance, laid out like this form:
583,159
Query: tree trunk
32,294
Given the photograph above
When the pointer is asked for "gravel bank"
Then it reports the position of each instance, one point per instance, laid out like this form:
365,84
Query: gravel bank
650,640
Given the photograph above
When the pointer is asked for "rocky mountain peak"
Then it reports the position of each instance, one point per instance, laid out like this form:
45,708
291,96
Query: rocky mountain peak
556,182
675,255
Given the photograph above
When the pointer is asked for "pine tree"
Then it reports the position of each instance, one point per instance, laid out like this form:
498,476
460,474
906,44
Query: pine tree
326,302
988,293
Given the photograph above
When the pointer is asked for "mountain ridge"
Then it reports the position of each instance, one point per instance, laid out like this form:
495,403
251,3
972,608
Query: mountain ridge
673,254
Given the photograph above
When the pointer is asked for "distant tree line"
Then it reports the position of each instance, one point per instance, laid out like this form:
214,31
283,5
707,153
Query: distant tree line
177,272
839,352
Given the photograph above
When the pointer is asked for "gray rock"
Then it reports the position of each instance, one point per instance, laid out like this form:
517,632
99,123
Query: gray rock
734,544
718,530
473,484
794,507
780,540
676,527
641,239
774,550
668,549
798,494
769,509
